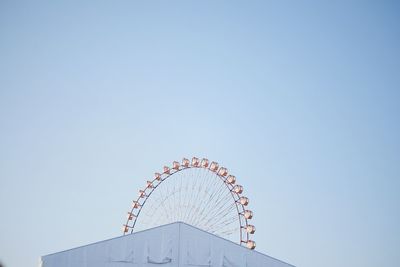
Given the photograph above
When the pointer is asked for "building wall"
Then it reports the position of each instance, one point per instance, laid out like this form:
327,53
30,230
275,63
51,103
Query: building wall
172,245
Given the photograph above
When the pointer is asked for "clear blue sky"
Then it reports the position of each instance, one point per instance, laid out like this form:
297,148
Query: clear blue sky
299,99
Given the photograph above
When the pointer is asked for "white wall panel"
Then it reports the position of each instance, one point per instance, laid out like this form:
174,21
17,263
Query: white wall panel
172,245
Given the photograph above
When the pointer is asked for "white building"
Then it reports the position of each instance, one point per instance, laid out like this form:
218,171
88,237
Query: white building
171,245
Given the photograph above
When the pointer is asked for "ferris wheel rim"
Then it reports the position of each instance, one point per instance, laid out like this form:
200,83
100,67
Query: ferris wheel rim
245,229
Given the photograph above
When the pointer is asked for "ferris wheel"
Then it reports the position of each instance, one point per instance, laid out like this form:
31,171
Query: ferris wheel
196,192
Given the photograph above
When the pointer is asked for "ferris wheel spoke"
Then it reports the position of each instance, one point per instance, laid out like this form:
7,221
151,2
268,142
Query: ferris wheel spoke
224,209
193,192
209,202
214,221
205,195
186,194
197,174
221,226
189,216
229,231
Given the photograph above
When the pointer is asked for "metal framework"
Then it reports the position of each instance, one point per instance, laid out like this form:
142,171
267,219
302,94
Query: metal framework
240,201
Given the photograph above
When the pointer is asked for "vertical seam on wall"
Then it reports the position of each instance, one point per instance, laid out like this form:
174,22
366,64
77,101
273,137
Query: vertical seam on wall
179,244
